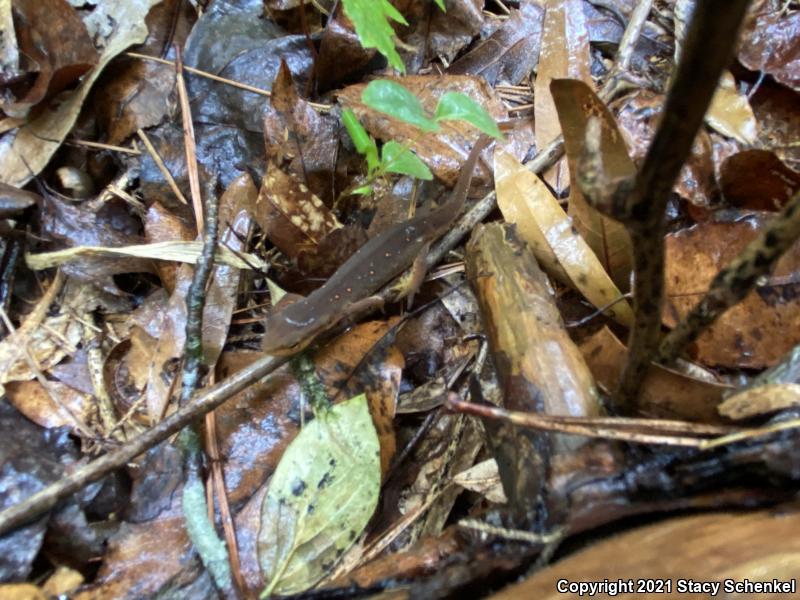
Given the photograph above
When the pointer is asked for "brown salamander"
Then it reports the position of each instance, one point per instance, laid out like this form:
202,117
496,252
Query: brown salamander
374,265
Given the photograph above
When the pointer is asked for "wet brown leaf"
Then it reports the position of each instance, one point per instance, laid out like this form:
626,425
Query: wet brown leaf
56,46
341,55
433,34
49,407
162,225
446,151
666,394
771,41
34,143
138,94
14,200
762,327
757,180
293,218
220,302
510,53
776,109
637,116
564,54
299,139
91,223
143,559
255,426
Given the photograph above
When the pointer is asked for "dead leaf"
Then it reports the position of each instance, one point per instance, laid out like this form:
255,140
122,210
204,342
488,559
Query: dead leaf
26,153
49,407
254,432
760,329
510,54
564,53
144,559
293,218
771,42
730,112
666,394
527,202
299,139
138,94
435,34
341,55
576,104
757,180
484,479
760,401
57,45
637,116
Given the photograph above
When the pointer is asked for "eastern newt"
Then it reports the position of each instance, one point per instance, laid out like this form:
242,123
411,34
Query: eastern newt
374,265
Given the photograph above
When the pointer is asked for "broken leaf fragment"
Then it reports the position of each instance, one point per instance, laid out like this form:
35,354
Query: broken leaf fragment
321,497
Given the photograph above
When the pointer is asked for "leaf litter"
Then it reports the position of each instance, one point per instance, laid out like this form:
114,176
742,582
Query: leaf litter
390,485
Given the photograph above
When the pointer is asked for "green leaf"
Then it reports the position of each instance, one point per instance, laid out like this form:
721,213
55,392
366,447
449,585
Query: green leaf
356,130
397,158
371,20
455,105
320,498
363,142
396,101
440,4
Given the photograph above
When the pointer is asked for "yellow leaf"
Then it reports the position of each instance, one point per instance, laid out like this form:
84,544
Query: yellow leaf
527,202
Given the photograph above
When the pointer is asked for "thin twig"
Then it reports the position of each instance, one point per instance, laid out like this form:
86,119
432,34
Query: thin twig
101,146
736,280
161,166
191,150
200,523
580,426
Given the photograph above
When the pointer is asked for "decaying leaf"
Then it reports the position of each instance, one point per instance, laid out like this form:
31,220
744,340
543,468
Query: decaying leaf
527,202
56,405
576,104
760,329
293,218
757,180
56,44
483,478
299,139
510,53
760,401
666,393
320,498
638,115
138,93
34,143
771,41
